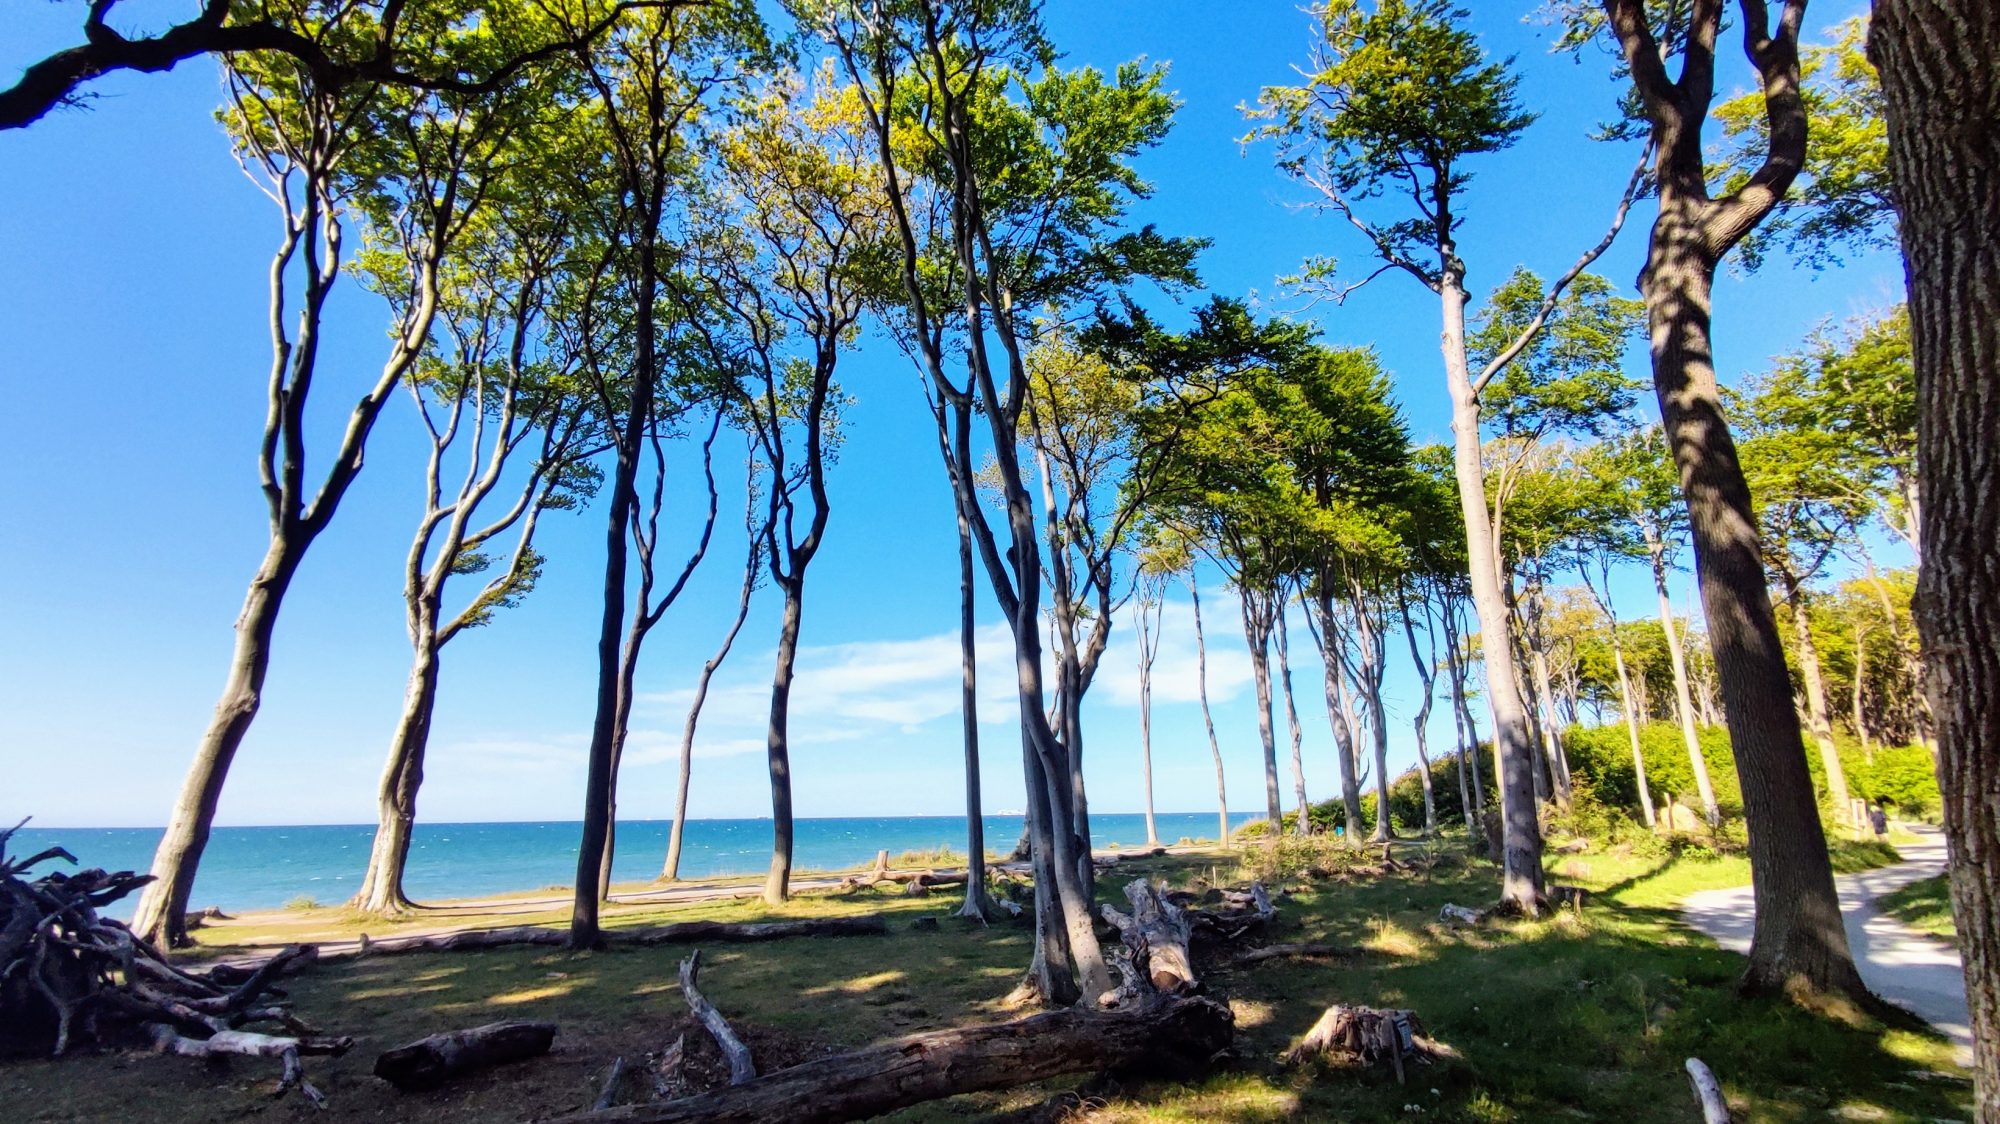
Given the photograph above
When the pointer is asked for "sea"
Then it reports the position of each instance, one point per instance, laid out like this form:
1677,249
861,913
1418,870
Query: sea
250,868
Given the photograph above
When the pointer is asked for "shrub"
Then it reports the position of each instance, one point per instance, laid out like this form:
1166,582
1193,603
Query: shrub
302,902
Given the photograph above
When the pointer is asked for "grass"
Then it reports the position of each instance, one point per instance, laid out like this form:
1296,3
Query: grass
1584,1016
1924,906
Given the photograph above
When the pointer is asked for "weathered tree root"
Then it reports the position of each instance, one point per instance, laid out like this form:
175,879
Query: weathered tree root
1157,933
1370,1035
1708,1091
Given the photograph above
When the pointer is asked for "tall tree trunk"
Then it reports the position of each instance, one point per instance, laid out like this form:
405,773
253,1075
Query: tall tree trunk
1817,711
1683,696
778,884
1631,717
670,871
1521,858
162,911
1150,617
1207,718
1426,675
1860,680
1544,692
1050,977
968,705
1799,934
1257,625
1517,666
1326,632
1940,83
1368,672
1304,826
381,890
1469,739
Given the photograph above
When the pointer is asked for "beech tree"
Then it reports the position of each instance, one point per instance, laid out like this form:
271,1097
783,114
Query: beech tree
650,82
803,228
504,388
1396,100
1007,180
1944,156
403,54
1799,935
316,151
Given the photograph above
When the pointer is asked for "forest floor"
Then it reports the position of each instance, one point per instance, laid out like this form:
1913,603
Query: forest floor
1585,1015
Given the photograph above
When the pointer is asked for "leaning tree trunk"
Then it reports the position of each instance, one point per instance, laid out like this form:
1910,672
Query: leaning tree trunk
1940,83
778,884
1368,672
1304,826
1521,832
676,835
161,915
1207,718
1799,934
1468,746
1683,695
381,892
1257,632
1816,708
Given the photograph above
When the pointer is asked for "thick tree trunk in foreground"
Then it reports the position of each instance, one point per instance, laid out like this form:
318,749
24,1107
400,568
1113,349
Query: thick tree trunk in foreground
778,884
1176,1038
1941,84
161,915
1521,831
1799,936
381,890
1798,930
1683,694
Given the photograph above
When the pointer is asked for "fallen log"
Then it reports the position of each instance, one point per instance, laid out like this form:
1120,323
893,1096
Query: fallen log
689,932
1158,933
1461,915
1295,951
609,1094
1708,1091
741,1068
1173,1036
430,1062
1249,910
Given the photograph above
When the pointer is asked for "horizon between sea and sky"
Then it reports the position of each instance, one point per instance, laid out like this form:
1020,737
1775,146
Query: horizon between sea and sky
133,352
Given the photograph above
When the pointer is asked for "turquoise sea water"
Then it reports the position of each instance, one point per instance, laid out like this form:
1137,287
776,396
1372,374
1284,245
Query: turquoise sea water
265,867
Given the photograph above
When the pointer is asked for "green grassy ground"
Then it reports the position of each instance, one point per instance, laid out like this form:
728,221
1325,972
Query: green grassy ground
1924,906
1584,1016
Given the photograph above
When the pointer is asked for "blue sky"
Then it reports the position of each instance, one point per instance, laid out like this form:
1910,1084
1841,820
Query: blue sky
133,355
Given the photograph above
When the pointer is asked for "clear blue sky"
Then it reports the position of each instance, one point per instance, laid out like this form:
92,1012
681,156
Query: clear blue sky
133,357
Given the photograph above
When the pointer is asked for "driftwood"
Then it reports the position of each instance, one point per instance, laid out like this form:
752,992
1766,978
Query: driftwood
69,976
245,1043
612,1077
430,1062
681,932
1247,910
1295,951
1157,933
668,1080
1172,1036
1370,1035
1708,1091
1462,915
741,1068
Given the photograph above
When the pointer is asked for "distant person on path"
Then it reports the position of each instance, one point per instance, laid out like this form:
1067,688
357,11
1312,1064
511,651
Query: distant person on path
1878,818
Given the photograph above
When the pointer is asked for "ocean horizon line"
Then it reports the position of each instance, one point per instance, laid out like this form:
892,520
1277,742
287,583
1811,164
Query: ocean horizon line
1009,813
